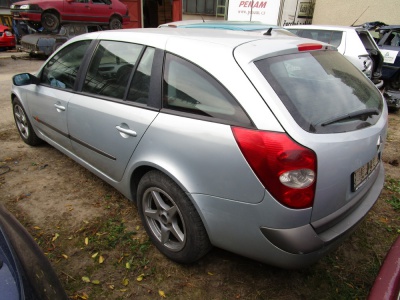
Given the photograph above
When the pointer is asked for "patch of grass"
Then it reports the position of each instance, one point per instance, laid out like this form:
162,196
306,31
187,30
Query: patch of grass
394,202
392,185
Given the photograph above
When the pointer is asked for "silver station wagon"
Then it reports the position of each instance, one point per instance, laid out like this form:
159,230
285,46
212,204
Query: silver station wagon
266,145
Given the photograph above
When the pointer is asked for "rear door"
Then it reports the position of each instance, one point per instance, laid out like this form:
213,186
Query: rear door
108,119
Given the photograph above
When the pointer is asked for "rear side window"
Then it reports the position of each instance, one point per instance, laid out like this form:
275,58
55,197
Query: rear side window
323,91
189,89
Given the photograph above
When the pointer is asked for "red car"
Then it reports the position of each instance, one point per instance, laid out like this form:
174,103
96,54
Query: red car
51,13
387,283
7,38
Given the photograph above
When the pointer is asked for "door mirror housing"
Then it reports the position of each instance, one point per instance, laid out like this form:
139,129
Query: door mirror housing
24,79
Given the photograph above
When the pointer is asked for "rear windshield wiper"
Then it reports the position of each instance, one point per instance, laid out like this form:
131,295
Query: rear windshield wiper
362,114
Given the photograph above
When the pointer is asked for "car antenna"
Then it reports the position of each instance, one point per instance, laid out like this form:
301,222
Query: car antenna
268,32
360,16
202,18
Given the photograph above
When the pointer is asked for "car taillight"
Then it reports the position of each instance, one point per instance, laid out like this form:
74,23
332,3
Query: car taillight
286,169
309,47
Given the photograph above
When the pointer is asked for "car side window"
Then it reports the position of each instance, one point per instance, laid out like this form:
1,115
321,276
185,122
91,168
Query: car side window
140,85
110,69
61,70
188,88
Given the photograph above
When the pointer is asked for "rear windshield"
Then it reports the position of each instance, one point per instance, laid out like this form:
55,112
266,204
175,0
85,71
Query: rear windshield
323,91
327,36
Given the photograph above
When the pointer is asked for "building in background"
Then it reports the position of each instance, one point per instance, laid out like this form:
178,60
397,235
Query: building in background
151,13
356,12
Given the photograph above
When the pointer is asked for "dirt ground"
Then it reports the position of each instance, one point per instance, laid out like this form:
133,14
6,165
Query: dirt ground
95,242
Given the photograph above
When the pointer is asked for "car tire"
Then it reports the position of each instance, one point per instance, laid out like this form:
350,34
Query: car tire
23,124
170,219
115,23
50,21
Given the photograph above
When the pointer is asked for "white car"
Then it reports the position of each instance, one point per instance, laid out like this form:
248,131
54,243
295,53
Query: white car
355,43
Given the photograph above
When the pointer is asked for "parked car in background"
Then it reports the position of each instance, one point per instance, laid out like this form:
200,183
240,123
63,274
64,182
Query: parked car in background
265,162
387,283
25,272
7,38
355,43
52,13
42,44
389,44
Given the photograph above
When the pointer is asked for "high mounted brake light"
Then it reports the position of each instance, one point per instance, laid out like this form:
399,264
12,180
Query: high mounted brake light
309,47
287,169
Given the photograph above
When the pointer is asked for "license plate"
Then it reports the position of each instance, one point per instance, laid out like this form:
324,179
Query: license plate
360,176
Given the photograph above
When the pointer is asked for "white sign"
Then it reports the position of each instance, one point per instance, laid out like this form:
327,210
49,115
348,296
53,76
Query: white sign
389,56
274,12
258,10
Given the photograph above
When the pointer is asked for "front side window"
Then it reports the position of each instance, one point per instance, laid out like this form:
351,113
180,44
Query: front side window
189,89
111,67
323,91
62,69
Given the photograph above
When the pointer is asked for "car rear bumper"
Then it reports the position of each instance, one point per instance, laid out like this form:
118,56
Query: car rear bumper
240,228
312,237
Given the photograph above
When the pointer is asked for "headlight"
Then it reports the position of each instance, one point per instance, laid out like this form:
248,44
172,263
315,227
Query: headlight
12,6
25,6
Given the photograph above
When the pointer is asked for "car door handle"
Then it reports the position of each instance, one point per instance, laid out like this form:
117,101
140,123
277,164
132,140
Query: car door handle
126,131
59,107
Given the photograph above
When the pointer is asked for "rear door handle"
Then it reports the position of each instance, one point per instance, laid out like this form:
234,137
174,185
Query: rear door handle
126,131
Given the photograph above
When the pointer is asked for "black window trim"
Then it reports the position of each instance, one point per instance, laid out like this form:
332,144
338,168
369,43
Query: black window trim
197,116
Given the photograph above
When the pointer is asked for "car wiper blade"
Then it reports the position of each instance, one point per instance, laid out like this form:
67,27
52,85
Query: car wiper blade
363,114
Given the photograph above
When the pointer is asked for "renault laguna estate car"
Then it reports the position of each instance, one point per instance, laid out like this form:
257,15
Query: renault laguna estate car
266,146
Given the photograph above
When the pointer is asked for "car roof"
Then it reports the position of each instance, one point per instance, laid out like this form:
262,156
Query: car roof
194,42
215,24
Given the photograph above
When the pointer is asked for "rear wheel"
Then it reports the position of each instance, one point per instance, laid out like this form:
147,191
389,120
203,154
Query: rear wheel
24,127
170,219
50,21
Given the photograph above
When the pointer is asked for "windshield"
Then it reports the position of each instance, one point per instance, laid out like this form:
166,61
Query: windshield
321,86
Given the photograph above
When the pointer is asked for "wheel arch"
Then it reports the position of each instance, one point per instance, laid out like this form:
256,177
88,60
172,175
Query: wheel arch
53,11
140,171
115,15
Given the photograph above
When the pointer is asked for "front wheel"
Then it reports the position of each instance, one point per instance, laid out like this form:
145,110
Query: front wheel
170,219
24,126
115,23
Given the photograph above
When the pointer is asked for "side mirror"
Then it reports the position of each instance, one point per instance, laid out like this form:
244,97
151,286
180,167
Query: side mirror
25,79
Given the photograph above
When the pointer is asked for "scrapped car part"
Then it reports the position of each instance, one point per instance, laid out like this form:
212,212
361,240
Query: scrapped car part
7,38
389,45
44,44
